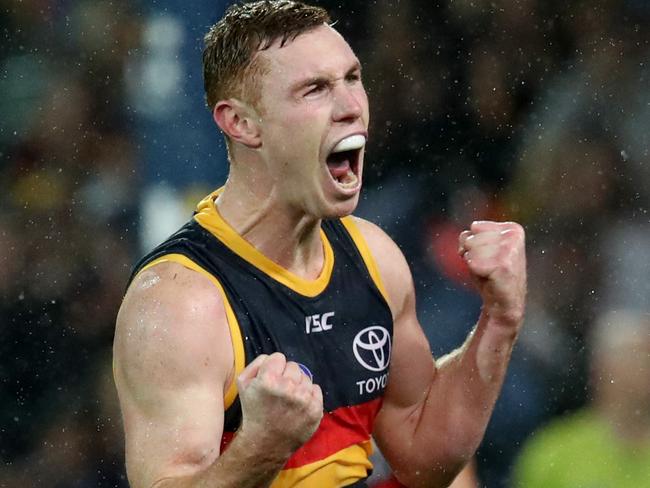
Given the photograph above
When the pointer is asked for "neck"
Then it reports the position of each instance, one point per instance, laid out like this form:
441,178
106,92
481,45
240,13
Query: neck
283,234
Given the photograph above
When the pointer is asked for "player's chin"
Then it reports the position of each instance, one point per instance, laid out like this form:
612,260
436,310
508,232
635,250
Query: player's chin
342,208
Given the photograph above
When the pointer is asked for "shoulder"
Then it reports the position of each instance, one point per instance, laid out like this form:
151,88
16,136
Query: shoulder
172,364
374,235
391,263
172,293
171,318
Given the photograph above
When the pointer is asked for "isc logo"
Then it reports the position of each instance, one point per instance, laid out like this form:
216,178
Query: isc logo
318,323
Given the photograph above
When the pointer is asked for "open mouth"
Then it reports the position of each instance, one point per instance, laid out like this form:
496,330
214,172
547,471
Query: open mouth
343,161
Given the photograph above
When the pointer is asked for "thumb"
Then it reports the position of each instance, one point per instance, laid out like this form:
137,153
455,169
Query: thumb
250,372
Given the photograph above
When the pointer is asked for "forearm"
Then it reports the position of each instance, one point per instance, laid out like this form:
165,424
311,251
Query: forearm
468,382
434,415
246,463
450,424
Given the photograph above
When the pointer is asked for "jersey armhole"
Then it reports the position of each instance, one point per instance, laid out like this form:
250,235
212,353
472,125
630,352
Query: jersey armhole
233,325
366,255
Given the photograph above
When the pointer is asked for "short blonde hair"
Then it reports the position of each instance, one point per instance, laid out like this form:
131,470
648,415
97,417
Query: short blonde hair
230,68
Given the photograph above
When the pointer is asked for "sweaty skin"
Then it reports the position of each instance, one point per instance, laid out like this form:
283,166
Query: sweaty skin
173,363
435,413
173,350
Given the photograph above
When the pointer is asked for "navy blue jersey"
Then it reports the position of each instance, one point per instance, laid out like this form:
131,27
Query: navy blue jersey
338,328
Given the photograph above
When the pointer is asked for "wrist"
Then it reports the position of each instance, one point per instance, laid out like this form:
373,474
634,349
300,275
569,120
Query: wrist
499,331
266,447
509,319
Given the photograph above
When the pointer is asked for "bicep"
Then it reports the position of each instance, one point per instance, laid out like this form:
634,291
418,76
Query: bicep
411,375
412,366
172,362
177,437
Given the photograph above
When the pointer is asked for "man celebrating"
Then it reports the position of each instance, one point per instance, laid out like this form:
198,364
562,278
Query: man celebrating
273,335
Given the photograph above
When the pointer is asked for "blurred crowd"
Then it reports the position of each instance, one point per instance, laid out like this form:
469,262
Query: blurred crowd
528,110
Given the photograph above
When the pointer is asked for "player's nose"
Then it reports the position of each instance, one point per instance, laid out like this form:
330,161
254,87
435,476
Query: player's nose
348,104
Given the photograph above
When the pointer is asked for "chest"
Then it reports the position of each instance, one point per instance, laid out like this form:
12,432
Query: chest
342,338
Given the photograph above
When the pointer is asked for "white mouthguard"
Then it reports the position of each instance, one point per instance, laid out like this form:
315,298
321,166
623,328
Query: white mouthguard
349,143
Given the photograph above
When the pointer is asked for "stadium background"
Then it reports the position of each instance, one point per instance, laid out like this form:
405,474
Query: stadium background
521,109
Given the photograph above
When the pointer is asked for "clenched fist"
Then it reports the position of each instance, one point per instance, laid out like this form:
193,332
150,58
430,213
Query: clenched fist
496,256
280,404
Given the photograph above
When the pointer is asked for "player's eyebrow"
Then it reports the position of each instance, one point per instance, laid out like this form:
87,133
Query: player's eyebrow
355,67
312,80
322,79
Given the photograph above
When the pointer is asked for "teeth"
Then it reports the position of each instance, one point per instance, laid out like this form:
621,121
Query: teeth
348,180
349,143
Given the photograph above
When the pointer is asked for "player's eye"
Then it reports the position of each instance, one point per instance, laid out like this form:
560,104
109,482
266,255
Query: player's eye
315,89
353,77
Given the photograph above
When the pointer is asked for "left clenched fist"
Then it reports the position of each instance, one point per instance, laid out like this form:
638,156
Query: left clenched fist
496,256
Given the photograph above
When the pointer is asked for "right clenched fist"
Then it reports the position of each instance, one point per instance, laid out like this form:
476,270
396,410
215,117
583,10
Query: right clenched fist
280,404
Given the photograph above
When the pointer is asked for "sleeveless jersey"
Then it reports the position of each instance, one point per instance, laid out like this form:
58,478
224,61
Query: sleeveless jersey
338,328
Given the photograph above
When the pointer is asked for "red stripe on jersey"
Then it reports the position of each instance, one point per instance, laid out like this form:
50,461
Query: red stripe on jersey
226,438
338,429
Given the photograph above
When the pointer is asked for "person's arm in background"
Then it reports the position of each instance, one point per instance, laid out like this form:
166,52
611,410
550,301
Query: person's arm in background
434,414
173,361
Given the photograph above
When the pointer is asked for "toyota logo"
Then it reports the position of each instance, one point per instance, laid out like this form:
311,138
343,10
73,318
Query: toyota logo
372,348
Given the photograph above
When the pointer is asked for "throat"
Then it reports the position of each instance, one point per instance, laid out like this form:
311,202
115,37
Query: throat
297,249
303,260
281,234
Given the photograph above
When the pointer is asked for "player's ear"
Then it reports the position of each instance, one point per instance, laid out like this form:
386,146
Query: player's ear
238,121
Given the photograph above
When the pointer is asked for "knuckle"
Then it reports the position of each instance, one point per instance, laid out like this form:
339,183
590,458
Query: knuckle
303,391
274,363
318,395
264,383
278,356
317,415
512,240
516,228
287,384
316,404
291,367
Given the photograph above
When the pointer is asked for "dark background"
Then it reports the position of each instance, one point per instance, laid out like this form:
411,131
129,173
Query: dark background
530,110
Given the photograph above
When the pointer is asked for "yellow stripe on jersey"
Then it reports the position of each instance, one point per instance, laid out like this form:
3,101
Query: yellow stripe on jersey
367,256
209,218
340,469
233,324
